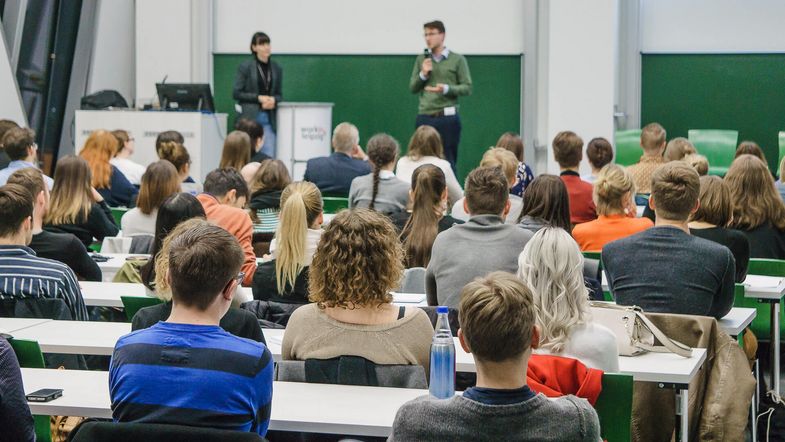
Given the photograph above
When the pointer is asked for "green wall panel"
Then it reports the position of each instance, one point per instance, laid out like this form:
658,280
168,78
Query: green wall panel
745,92
372,92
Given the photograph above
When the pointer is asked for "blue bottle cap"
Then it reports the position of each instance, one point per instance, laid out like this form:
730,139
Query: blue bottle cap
442,309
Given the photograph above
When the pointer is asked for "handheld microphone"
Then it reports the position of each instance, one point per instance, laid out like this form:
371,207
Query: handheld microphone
426,52
164,80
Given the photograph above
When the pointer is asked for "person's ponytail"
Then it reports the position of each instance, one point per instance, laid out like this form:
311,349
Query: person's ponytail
419,233
291,237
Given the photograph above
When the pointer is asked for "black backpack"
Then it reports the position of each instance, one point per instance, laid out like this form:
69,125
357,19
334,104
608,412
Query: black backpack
103,100
771,418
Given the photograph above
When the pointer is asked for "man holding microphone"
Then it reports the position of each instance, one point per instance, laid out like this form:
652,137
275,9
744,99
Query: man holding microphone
440,77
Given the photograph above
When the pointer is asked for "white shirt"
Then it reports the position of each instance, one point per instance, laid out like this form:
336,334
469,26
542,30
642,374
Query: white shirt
594,345
131,170
134,222
405,169
312,238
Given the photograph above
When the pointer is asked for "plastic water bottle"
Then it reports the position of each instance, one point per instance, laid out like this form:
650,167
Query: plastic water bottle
442,358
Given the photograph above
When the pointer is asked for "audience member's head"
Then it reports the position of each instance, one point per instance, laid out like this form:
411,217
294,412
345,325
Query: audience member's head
271,175
653,139
99,148
32,179
227,186
512,142
358,262
504,159
159,181
678,148
546,199
254,130
175,153
568,149
168,136
675,187
486,192
5,126
697,162
428,195
755,199
16,214
72,195
425,142
236,151
249,170
19,144
599,152
715,202
551,265
346,138
382,154
173,211
497,316
614,191
301,209
125,143
750,148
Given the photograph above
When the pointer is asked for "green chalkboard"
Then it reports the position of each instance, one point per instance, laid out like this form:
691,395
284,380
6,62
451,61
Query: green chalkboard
372,92
745,92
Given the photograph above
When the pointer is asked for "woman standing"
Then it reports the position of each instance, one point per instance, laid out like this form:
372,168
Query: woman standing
257,88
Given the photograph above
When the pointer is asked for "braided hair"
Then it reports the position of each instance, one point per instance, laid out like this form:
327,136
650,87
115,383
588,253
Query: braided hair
382,150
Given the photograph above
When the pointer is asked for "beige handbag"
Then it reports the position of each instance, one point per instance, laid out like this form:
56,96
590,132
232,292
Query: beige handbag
635,333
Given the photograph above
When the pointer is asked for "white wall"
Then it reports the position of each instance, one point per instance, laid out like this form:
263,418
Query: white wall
11,104
112,63
368,26
712,26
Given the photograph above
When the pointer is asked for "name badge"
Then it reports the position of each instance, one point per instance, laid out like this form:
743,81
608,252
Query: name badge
448,111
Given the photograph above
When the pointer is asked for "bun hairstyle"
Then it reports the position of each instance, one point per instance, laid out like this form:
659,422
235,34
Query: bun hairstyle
613,185
382,150
428,185
175,153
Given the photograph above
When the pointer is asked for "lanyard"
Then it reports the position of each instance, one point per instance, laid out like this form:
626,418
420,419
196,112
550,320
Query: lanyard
266,79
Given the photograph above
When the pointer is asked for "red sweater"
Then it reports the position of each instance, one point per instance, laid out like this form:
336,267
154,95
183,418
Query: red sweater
556,376
238,223
581,204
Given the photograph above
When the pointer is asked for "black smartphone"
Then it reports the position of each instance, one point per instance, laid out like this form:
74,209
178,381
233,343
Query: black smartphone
99,258
45,395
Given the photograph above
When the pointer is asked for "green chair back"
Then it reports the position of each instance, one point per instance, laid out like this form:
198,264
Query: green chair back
334,204
628,147
598,256
30,356
117,213
718,146
761,325
781,144
133,304
614,407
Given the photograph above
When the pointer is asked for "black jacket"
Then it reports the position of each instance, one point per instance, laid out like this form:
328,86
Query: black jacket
246,88
266,199
265,286
99,224
236,321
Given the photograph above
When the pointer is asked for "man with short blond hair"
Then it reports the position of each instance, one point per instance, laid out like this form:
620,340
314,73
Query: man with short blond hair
497,317
568,152
333,175
653,145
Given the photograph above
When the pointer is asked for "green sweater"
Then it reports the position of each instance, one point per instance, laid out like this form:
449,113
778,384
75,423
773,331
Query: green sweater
452,71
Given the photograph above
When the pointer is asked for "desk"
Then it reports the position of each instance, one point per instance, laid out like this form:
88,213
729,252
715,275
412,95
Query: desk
769,289
10,325
737,319
107,294
75,337
116,261
323,408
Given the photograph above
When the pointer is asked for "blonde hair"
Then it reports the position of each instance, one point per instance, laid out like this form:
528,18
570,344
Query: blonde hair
100,147
551,265
345,137
425,141
72,198
698,162
612,185
652,137
301,204
501,157
678,148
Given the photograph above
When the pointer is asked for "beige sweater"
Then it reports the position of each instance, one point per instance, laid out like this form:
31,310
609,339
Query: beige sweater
311,334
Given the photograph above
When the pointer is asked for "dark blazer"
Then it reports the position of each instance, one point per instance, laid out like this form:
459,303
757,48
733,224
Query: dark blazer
334,174
99,224
246,88
121,193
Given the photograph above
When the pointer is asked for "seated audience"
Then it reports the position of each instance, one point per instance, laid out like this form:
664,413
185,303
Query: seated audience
63,247
249,170
551,266
524,175
285,277
484,244
426,219
265,188
223,199
5,126
757,210
545,203
19,144
176,154
781,182
159,181
333,175
498,327
653,144
425,147
664,269
358,262
711,219
207,376
614,196
23,275
122,159
380,190
503,158
750,148
236,151
255,132
678,148
568,151
599,152
75,206
113,186
698,162
15,417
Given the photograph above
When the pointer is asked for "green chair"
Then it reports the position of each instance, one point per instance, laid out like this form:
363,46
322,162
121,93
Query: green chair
762,322
628,147
781,139
598,256
133,304
30,355
117,213
718,146
614,407
334,204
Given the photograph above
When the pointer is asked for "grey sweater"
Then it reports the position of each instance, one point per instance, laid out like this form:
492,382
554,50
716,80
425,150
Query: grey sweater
460,419
466,251
666,270
392,196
